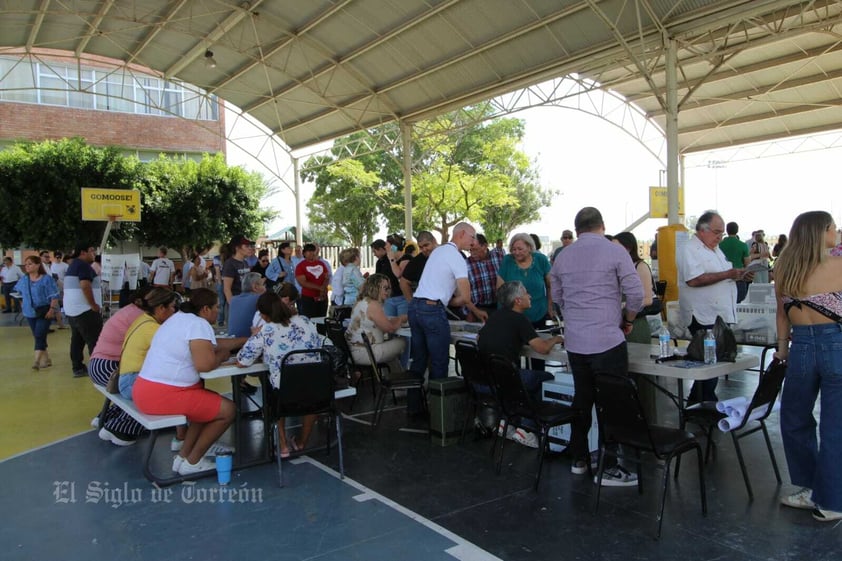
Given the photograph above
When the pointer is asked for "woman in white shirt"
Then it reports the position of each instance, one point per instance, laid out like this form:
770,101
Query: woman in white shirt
283,332
169,382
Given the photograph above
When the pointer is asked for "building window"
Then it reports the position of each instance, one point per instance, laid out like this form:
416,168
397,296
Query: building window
24,80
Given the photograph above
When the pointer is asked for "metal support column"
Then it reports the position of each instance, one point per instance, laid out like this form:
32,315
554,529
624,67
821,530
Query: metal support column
672,131
299,235
406,141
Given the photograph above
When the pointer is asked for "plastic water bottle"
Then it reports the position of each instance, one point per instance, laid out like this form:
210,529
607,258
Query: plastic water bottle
664,343
710,348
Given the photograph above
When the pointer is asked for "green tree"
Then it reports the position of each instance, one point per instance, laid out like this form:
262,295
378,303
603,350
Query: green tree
185,204
346,201
191,205
466,167
43,181
499,221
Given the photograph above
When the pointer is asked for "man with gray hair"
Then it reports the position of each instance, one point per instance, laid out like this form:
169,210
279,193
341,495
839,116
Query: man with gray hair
243,305
707,287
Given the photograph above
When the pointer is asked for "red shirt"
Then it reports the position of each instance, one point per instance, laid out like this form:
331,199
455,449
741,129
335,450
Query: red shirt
315,272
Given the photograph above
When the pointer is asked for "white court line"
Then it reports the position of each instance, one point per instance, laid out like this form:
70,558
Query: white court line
463,550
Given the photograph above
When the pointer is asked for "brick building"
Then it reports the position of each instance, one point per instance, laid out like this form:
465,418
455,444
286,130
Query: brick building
47,95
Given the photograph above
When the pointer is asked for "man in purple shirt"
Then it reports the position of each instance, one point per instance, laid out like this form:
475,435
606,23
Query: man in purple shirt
588,280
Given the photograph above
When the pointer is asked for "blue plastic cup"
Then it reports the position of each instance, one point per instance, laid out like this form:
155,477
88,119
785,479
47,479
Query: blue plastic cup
224,463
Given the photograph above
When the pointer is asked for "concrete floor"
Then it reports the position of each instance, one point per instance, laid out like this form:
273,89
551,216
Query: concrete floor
66,494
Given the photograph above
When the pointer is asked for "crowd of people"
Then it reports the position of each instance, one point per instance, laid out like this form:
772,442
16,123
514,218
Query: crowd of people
153,351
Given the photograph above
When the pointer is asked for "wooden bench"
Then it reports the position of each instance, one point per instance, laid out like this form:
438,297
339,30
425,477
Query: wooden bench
153,423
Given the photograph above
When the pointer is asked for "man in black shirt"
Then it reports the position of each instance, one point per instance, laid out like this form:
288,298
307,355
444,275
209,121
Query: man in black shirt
412,272
396,305
505,333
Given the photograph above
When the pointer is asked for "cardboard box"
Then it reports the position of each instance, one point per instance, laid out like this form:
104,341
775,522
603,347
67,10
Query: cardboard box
448,400
561,390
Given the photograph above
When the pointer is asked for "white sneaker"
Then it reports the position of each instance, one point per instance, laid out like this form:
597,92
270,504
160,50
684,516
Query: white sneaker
217,449
176,462
510,430
175,445
116,439
204,464
526,438
617,476
799,499
95,422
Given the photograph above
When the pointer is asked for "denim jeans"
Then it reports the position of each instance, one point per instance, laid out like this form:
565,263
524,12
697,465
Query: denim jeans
430,343
127,383
39,327
585,368
815,365
395,306
84,330
12,304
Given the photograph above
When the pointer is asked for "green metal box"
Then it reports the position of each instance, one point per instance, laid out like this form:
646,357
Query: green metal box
448,400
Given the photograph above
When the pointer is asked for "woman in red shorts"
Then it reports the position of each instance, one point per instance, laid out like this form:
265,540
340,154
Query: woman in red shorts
169,383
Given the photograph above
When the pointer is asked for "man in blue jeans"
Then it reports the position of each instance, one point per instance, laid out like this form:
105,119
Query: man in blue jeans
444,280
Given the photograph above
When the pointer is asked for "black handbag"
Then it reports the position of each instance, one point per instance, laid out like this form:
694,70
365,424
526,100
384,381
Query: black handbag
40,311
652,309
726,343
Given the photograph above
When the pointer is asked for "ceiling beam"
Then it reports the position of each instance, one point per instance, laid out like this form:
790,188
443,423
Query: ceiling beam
154,30
468,53
755,94
279,45
93,28
198,50
36,25
748,119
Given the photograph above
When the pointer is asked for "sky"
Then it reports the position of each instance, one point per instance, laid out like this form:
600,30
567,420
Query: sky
591,162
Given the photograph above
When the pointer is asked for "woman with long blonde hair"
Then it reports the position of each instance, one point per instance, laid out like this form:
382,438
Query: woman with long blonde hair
808,286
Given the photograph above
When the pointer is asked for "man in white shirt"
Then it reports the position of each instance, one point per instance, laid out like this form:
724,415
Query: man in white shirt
162,272
10,274
444,281
706,286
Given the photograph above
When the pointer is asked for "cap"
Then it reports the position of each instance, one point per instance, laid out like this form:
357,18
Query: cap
378,244
239,240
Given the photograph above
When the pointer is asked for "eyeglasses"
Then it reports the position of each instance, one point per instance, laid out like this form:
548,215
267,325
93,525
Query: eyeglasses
264,260
567,237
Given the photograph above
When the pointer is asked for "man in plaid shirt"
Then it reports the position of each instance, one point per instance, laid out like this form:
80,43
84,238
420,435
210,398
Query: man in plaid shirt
482,274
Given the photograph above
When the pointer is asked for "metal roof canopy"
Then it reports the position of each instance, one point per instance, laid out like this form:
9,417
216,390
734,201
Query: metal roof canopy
748,70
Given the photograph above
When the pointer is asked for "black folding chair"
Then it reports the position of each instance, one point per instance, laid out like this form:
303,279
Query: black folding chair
306,388
336,333
516,406
623,424
706,416
389,381
763,401
474,371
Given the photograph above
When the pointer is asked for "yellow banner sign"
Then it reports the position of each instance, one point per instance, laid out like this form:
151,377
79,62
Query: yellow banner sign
658,207
105,204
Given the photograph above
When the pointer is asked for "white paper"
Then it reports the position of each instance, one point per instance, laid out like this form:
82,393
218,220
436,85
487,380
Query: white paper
724,405
730,423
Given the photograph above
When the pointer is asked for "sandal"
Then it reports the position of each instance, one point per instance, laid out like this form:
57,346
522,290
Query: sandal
293,444
285,454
